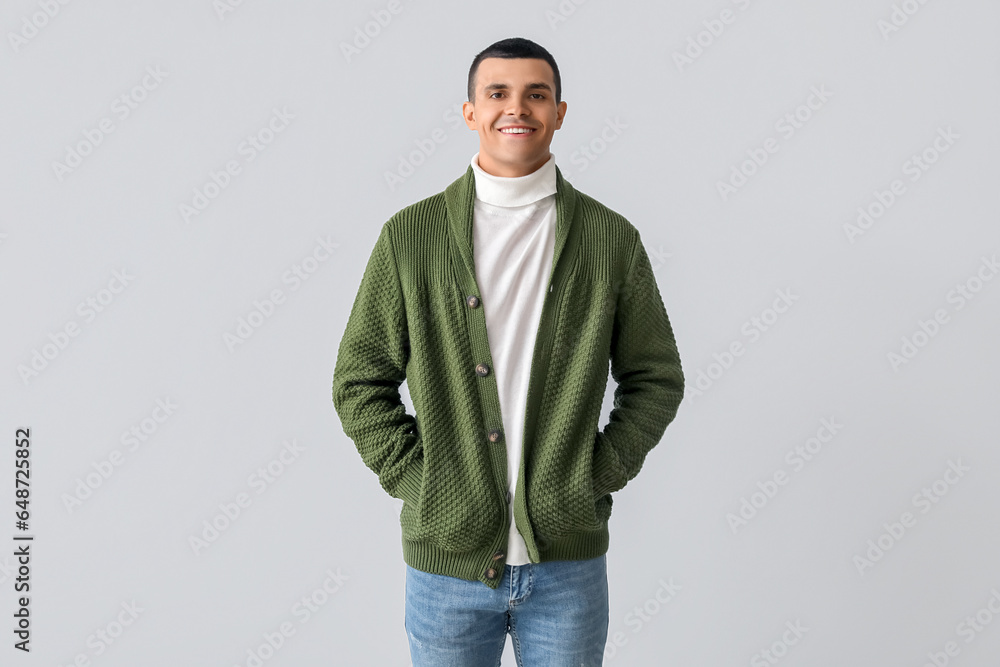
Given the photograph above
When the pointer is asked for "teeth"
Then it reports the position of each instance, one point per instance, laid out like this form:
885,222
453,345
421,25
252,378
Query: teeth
517,130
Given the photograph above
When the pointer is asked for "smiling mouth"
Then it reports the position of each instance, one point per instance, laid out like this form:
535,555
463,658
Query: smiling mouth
518,132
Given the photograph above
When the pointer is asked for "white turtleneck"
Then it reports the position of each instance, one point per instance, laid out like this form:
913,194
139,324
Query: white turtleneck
514,222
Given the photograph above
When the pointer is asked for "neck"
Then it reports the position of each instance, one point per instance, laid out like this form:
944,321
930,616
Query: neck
508,170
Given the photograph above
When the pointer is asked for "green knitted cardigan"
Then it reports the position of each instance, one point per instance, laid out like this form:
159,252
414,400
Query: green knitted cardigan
418,316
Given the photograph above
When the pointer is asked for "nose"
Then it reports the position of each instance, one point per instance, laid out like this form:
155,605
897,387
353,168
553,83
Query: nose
517,107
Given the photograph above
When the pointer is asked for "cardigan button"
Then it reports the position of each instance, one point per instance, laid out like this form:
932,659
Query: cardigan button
494,435
482,370
472,300
490,573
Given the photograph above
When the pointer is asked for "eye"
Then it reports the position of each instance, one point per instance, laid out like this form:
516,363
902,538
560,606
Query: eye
540,96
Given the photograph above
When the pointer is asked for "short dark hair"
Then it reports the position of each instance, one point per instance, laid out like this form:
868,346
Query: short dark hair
514,47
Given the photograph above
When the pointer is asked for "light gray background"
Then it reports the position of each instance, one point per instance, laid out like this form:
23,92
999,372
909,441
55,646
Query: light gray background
719,262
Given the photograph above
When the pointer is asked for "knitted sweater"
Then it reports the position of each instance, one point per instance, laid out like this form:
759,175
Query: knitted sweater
418,316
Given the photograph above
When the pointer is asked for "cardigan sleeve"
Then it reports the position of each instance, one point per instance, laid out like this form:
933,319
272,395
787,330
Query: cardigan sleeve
371,364
647,368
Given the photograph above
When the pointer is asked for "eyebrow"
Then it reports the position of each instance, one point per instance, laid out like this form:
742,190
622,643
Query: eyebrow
539,85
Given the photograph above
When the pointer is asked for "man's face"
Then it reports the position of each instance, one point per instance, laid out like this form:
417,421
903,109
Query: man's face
514,92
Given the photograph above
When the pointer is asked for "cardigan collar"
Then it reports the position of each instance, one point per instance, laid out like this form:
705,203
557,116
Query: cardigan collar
460,198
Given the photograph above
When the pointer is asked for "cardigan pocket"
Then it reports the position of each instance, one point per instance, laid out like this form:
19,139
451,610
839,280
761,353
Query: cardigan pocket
454,510
565,503
562,496
411,489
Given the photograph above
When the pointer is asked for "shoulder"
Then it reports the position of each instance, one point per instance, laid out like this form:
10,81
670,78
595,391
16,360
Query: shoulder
412,214
414,219
415,233
597,212
606,233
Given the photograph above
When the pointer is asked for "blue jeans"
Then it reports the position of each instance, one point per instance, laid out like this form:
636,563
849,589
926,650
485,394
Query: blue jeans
556,613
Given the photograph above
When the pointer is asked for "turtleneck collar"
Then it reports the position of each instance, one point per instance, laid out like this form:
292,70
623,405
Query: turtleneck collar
515,190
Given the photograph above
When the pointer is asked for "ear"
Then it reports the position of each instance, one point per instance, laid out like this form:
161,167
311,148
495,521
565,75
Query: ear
469,113
560,114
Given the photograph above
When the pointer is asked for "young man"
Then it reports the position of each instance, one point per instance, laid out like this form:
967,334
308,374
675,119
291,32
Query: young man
501,301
